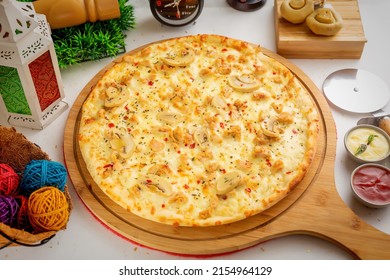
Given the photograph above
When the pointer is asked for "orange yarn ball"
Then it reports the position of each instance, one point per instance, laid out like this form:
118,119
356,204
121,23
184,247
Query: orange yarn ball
48,209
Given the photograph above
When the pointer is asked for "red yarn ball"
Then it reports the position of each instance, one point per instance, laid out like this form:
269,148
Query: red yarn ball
9,180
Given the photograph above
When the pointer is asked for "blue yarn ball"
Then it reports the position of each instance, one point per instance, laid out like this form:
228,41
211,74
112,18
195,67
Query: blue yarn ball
41,173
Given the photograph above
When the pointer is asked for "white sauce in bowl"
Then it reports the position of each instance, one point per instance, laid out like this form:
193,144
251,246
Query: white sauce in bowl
377,149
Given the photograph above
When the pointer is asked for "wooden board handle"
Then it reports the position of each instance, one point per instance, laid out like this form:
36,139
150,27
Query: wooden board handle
326,216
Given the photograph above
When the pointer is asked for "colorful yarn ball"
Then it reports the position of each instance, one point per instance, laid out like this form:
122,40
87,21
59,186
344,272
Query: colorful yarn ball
40,173
22,221
48,209
9,180
8,210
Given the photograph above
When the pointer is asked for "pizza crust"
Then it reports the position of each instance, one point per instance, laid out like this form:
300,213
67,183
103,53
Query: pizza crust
198,131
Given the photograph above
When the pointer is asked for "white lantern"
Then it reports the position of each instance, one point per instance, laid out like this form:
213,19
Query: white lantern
31,92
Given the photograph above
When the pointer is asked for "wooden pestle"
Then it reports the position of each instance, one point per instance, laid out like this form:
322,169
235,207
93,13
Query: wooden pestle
66,13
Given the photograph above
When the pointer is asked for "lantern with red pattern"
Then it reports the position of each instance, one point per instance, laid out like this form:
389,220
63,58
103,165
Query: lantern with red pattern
31,93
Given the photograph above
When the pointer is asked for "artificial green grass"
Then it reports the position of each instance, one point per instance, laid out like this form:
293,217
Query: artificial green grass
92,41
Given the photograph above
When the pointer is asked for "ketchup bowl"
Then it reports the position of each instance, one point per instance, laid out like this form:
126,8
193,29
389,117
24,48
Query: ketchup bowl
370,184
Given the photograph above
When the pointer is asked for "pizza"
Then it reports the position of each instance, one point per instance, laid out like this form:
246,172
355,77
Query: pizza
200,130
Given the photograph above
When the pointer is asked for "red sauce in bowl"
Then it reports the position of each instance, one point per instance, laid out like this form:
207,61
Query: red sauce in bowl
372,183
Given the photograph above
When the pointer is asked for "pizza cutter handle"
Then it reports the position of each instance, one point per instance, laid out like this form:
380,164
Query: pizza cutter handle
374,117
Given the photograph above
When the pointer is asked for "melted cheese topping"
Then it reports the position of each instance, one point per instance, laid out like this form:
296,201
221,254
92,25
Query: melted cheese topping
223,136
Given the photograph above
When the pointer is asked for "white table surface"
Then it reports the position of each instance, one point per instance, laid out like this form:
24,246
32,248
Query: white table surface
86,238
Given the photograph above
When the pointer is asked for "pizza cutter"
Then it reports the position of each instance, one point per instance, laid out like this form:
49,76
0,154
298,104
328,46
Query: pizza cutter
359,91
380,119
356,90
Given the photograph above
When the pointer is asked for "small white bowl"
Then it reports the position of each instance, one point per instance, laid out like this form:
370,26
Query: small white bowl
371,196
365,129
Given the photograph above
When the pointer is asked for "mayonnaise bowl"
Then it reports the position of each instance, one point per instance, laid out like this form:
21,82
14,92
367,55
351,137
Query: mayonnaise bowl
367,144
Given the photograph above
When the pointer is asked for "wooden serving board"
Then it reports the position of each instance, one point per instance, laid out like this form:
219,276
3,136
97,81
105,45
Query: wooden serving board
297,40
313,207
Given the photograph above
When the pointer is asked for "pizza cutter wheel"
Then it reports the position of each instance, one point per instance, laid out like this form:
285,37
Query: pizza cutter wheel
356,90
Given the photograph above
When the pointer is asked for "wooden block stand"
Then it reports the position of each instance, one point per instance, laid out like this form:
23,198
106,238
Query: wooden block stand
298,41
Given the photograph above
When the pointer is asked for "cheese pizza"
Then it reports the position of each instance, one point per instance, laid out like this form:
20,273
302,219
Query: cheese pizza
199,130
